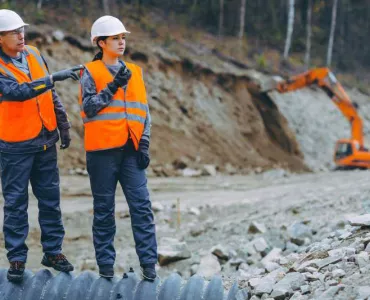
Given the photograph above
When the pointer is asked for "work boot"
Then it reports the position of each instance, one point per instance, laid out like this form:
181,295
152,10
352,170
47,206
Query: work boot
148,272
106,271
58,262
16,271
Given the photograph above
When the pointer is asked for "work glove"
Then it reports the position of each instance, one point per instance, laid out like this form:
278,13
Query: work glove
143,158
120,79
64,74
65,139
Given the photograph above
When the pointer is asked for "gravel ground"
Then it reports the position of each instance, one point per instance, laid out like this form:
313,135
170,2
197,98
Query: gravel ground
296,211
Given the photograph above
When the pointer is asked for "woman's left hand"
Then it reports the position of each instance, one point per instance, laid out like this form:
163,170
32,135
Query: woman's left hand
65,138
143,157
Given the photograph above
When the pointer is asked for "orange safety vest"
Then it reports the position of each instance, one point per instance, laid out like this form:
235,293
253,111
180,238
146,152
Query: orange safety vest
23,120
124,117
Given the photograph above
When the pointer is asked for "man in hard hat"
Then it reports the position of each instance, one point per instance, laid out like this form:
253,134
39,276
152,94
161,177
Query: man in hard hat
30,114
117,133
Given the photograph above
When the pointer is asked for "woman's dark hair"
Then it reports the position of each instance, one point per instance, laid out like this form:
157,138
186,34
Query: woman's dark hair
99,55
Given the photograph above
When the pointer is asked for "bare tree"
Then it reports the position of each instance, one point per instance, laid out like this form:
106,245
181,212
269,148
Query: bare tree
242,19
307,58
106,6
39,4
332,32
288,40
193,8
221,19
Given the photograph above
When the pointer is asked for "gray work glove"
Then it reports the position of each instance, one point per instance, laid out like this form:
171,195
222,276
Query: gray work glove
65,138
64,74
143,158
120,79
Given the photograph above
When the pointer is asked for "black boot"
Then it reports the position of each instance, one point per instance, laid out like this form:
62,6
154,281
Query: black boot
58,262
148,272
16,271
106,271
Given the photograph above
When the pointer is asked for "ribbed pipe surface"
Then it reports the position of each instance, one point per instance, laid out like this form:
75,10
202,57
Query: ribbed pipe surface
89,286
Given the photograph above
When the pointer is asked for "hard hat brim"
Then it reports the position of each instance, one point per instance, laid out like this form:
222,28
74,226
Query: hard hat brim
17,26
93,38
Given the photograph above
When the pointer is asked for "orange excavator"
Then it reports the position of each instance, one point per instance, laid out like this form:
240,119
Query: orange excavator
349,153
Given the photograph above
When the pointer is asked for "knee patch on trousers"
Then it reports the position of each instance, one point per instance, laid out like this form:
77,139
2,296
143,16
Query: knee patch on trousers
139,194
104,208
16,201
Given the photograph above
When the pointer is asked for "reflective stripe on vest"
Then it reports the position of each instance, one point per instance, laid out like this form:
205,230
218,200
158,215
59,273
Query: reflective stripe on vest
132,104
6,72
23,120
115,116
125,116
38,57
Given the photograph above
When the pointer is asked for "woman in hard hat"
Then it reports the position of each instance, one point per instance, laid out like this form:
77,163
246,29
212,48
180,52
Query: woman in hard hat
117,131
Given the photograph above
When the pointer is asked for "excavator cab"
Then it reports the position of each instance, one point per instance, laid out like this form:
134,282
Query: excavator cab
343,149
349,154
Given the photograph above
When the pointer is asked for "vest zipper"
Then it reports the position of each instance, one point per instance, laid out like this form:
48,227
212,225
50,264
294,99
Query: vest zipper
42,123
37,101
134,136
124,101
130,132
38,109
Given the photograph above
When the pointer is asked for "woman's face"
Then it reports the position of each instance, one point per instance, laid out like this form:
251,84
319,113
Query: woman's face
114,45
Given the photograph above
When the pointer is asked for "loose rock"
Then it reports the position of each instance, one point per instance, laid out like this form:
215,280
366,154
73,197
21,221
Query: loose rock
171,250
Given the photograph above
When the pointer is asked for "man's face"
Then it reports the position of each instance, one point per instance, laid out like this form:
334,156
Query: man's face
12,41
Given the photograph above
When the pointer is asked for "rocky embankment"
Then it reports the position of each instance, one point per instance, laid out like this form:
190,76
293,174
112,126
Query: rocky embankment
202,105
336,267
207,109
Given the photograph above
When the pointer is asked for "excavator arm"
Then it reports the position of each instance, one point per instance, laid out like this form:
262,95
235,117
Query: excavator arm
326,80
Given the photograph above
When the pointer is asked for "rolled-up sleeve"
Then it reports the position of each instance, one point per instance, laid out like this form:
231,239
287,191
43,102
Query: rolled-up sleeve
93,102
11,90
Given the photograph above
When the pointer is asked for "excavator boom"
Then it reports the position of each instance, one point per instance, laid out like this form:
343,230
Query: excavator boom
302,80
326,80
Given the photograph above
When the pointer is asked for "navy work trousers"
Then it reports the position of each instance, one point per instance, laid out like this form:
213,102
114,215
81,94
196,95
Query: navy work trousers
107,168
41,170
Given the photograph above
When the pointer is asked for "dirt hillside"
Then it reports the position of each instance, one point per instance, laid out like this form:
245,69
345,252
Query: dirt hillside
203,108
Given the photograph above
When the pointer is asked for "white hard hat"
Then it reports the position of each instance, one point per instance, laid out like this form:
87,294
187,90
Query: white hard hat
106,26
10,20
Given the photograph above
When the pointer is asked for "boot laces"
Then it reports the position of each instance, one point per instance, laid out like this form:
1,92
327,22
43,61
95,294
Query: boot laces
60,257
17,265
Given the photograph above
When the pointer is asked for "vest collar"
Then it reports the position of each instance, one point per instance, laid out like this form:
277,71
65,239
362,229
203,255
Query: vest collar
7,59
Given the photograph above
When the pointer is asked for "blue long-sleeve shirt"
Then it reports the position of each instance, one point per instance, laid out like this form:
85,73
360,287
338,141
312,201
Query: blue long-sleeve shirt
11,90
94,102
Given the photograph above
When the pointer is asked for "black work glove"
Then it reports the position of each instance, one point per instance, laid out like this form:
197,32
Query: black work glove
120,79
64,74
65,138
143,158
